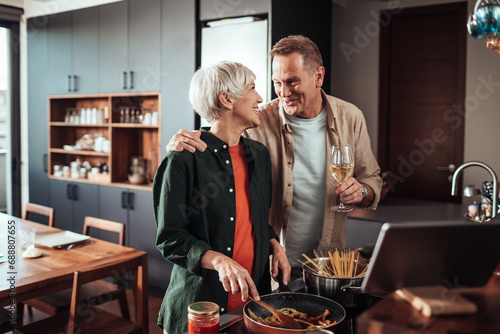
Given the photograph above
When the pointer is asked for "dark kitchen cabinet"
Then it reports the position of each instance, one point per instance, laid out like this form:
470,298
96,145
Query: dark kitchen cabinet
85,61
72,202
60,75
113,45
129,47
135,209
178,63
144,44
37,110
298,17
73,52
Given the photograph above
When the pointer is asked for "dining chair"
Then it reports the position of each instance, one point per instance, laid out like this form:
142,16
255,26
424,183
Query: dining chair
97,292
32,208
85,317
5,321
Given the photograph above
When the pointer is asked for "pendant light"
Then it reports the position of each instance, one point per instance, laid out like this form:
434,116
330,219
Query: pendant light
484,23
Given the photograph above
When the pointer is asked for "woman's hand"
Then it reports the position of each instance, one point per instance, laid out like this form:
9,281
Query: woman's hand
186,140
280,262
232,275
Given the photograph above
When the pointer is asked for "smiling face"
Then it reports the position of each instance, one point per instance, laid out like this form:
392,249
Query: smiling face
298,88
245,110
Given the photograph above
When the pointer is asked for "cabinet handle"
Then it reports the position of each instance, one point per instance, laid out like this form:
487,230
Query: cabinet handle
75,192
69,194
124,200
45,163
74,83
131,200
69,83
131,79
124,80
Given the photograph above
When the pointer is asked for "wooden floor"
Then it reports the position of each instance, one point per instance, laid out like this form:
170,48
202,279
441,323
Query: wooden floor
154,304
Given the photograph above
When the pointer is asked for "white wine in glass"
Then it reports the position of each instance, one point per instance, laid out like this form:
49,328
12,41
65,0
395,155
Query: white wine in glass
341,166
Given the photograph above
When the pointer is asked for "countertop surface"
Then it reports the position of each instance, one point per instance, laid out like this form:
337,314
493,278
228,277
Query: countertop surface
398,210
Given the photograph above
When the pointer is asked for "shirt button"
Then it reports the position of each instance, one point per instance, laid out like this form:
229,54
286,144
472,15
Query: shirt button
227,162
231,219
231,190
229,249
222,309
224,146
215,150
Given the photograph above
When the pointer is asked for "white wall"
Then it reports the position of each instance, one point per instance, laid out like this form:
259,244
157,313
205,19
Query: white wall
34,8
355,79
45,7
13,3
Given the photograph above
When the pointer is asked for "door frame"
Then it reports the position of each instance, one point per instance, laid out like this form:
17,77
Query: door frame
384,80
15,114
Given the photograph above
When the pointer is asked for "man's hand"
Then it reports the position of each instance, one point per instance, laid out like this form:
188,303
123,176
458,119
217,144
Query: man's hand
234,278
280,262
350,193
186,140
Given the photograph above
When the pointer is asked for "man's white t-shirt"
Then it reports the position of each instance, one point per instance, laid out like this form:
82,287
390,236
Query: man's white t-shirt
305,223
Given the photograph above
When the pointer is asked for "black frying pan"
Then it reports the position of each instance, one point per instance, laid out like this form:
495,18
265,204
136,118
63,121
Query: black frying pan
311,304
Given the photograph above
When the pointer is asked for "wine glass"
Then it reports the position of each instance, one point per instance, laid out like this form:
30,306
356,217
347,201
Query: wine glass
341,166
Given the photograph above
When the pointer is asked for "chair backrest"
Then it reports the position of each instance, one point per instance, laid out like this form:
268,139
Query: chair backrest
107,225
39,210
117,270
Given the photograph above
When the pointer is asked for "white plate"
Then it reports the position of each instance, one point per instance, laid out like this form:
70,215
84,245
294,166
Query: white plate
32,253
60,239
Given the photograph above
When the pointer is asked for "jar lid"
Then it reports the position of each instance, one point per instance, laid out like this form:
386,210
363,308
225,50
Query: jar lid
203,308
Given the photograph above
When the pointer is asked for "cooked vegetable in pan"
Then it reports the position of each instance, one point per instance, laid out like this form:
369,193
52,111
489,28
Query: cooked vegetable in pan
307,321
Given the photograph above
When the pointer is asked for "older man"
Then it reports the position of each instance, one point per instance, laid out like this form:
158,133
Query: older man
299,128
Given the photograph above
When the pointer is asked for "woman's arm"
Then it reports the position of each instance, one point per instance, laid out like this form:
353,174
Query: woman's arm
173,215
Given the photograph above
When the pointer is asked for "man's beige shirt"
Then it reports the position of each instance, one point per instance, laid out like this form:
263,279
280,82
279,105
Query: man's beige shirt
346,125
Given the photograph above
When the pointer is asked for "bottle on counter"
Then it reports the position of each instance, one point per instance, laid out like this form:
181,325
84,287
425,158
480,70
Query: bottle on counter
105,115
473,210
83,116
203,318
486,208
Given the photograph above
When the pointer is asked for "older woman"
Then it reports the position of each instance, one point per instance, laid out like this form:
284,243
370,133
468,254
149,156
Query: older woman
212,207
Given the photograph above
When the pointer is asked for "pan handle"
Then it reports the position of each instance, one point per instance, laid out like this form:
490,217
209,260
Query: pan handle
351,288
282,287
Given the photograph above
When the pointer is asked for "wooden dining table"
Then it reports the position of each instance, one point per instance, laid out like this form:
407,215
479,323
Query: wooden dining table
26,278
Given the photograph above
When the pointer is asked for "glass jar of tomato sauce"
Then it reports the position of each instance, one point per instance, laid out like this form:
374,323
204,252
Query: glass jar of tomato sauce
203,318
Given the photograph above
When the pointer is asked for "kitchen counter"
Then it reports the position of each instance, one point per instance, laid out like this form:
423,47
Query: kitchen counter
363,226
399,210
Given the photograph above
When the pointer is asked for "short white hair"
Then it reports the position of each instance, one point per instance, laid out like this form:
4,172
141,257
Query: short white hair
208,82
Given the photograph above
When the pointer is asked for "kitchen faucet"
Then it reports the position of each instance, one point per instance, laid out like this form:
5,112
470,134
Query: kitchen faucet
494,200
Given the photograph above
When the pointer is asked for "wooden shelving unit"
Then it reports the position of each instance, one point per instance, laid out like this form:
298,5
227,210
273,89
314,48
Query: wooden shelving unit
126,140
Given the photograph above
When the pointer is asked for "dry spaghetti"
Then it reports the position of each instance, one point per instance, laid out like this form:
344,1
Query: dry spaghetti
340,264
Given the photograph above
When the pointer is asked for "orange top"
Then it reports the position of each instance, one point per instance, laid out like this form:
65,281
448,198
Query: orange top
244,235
